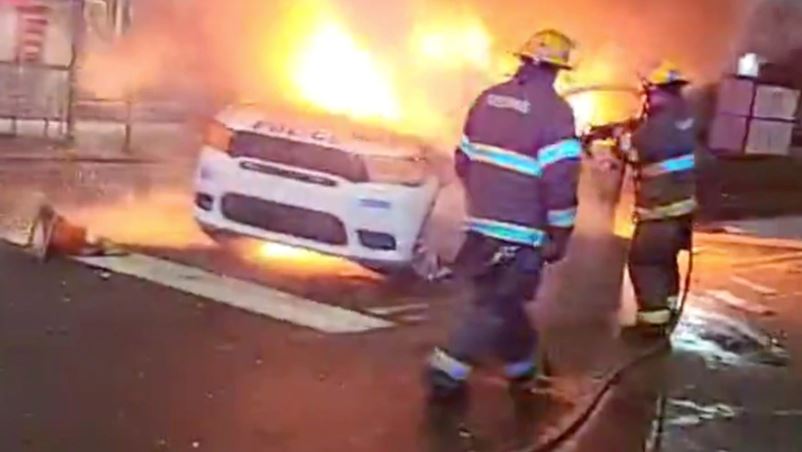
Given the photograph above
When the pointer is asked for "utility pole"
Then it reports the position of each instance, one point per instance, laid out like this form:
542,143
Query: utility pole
122,14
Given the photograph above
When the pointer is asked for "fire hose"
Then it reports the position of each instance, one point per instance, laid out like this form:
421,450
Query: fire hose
611,378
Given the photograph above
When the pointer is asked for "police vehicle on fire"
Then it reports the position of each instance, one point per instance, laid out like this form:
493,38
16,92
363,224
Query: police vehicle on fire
339,189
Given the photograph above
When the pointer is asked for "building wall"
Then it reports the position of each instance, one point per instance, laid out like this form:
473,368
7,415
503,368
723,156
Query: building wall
30,91
57,43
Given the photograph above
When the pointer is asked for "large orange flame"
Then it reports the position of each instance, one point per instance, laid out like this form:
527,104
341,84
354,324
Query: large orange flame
335,74
416,87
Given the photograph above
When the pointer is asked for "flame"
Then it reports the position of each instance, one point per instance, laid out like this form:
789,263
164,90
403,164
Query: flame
419,86
602,105
272,250
160,220
447,44
291,260
598,107
586,107
334,73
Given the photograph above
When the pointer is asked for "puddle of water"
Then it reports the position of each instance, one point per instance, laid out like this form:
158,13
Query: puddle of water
721,339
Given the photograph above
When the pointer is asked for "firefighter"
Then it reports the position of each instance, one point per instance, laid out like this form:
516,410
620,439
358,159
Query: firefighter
663,153
518,161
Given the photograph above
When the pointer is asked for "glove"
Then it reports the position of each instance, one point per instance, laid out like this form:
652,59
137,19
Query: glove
556,245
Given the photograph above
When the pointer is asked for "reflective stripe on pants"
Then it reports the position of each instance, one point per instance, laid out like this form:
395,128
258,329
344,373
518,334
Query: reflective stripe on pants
657,317
451,366
508,232
677,209
496,321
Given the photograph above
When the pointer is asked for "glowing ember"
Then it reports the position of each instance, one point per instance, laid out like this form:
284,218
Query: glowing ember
334,73
270,250
290,260
160,219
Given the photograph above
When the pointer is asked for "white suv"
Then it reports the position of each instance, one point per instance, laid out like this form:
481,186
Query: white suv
319,183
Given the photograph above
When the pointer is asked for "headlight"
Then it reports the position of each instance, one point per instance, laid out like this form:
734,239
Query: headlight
394,170
218,136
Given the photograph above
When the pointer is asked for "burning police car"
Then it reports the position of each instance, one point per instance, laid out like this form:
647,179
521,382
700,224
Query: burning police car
336,190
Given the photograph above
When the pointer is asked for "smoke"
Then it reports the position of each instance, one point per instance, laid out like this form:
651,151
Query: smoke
774,30
435,56
241,50
700,35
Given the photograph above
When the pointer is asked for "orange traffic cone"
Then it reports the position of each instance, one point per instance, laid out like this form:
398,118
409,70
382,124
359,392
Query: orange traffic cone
52,234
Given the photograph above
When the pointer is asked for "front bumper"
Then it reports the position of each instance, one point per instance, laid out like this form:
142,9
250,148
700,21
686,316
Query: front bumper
374,224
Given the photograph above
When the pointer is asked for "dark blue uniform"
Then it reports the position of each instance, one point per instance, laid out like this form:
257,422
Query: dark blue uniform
519,162
665,201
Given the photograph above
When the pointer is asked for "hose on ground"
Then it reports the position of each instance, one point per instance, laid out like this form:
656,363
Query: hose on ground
609,381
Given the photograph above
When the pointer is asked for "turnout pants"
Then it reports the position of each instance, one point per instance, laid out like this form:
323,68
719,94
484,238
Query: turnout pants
503,277
654,269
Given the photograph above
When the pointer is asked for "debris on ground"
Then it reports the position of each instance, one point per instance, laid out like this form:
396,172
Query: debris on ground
691,414
721,339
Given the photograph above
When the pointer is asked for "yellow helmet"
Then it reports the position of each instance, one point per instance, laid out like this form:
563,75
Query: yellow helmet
549,47
666,73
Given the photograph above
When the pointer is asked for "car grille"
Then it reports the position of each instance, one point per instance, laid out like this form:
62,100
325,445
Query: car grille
288,174
299,155
284,219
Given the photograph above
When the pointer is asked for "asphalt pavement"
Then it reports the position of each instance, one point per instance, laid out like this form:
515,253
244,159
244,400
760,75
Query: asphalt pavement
96,362
99,361
188,346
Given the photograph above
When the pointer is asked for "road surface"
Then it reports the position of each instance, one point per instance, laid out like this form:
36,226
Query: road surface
185,346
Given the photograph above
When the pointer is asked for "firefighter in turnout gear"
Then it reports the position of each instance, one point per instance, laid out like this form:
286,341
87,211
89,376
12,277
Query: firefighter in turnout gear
665,199
519,163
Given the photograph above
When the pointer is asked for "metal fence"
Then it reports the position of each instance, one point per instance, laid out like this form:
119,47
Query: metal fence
36,93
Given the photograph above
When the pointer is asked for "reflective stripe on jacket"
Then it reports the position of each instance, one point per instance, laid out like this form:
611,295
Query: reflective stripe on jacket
519,160
666,172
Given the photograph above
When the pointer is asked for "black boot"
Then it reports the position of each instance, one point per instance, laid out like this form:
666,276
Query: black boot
643,334
446,411
443,389
529,385
652,325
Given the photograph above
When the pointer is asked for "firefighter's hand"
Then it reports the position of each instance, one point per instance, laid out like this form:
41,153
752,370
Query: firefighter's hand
556,245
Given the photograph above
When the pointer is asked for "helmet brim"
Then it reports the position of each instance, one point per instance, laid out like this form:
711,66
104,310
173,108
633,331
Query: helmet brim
531,60
671,84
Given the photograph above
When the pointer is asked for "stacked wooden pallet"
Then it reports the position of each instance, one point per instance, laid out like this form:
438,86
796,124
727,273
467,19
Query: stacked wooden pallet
754,118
